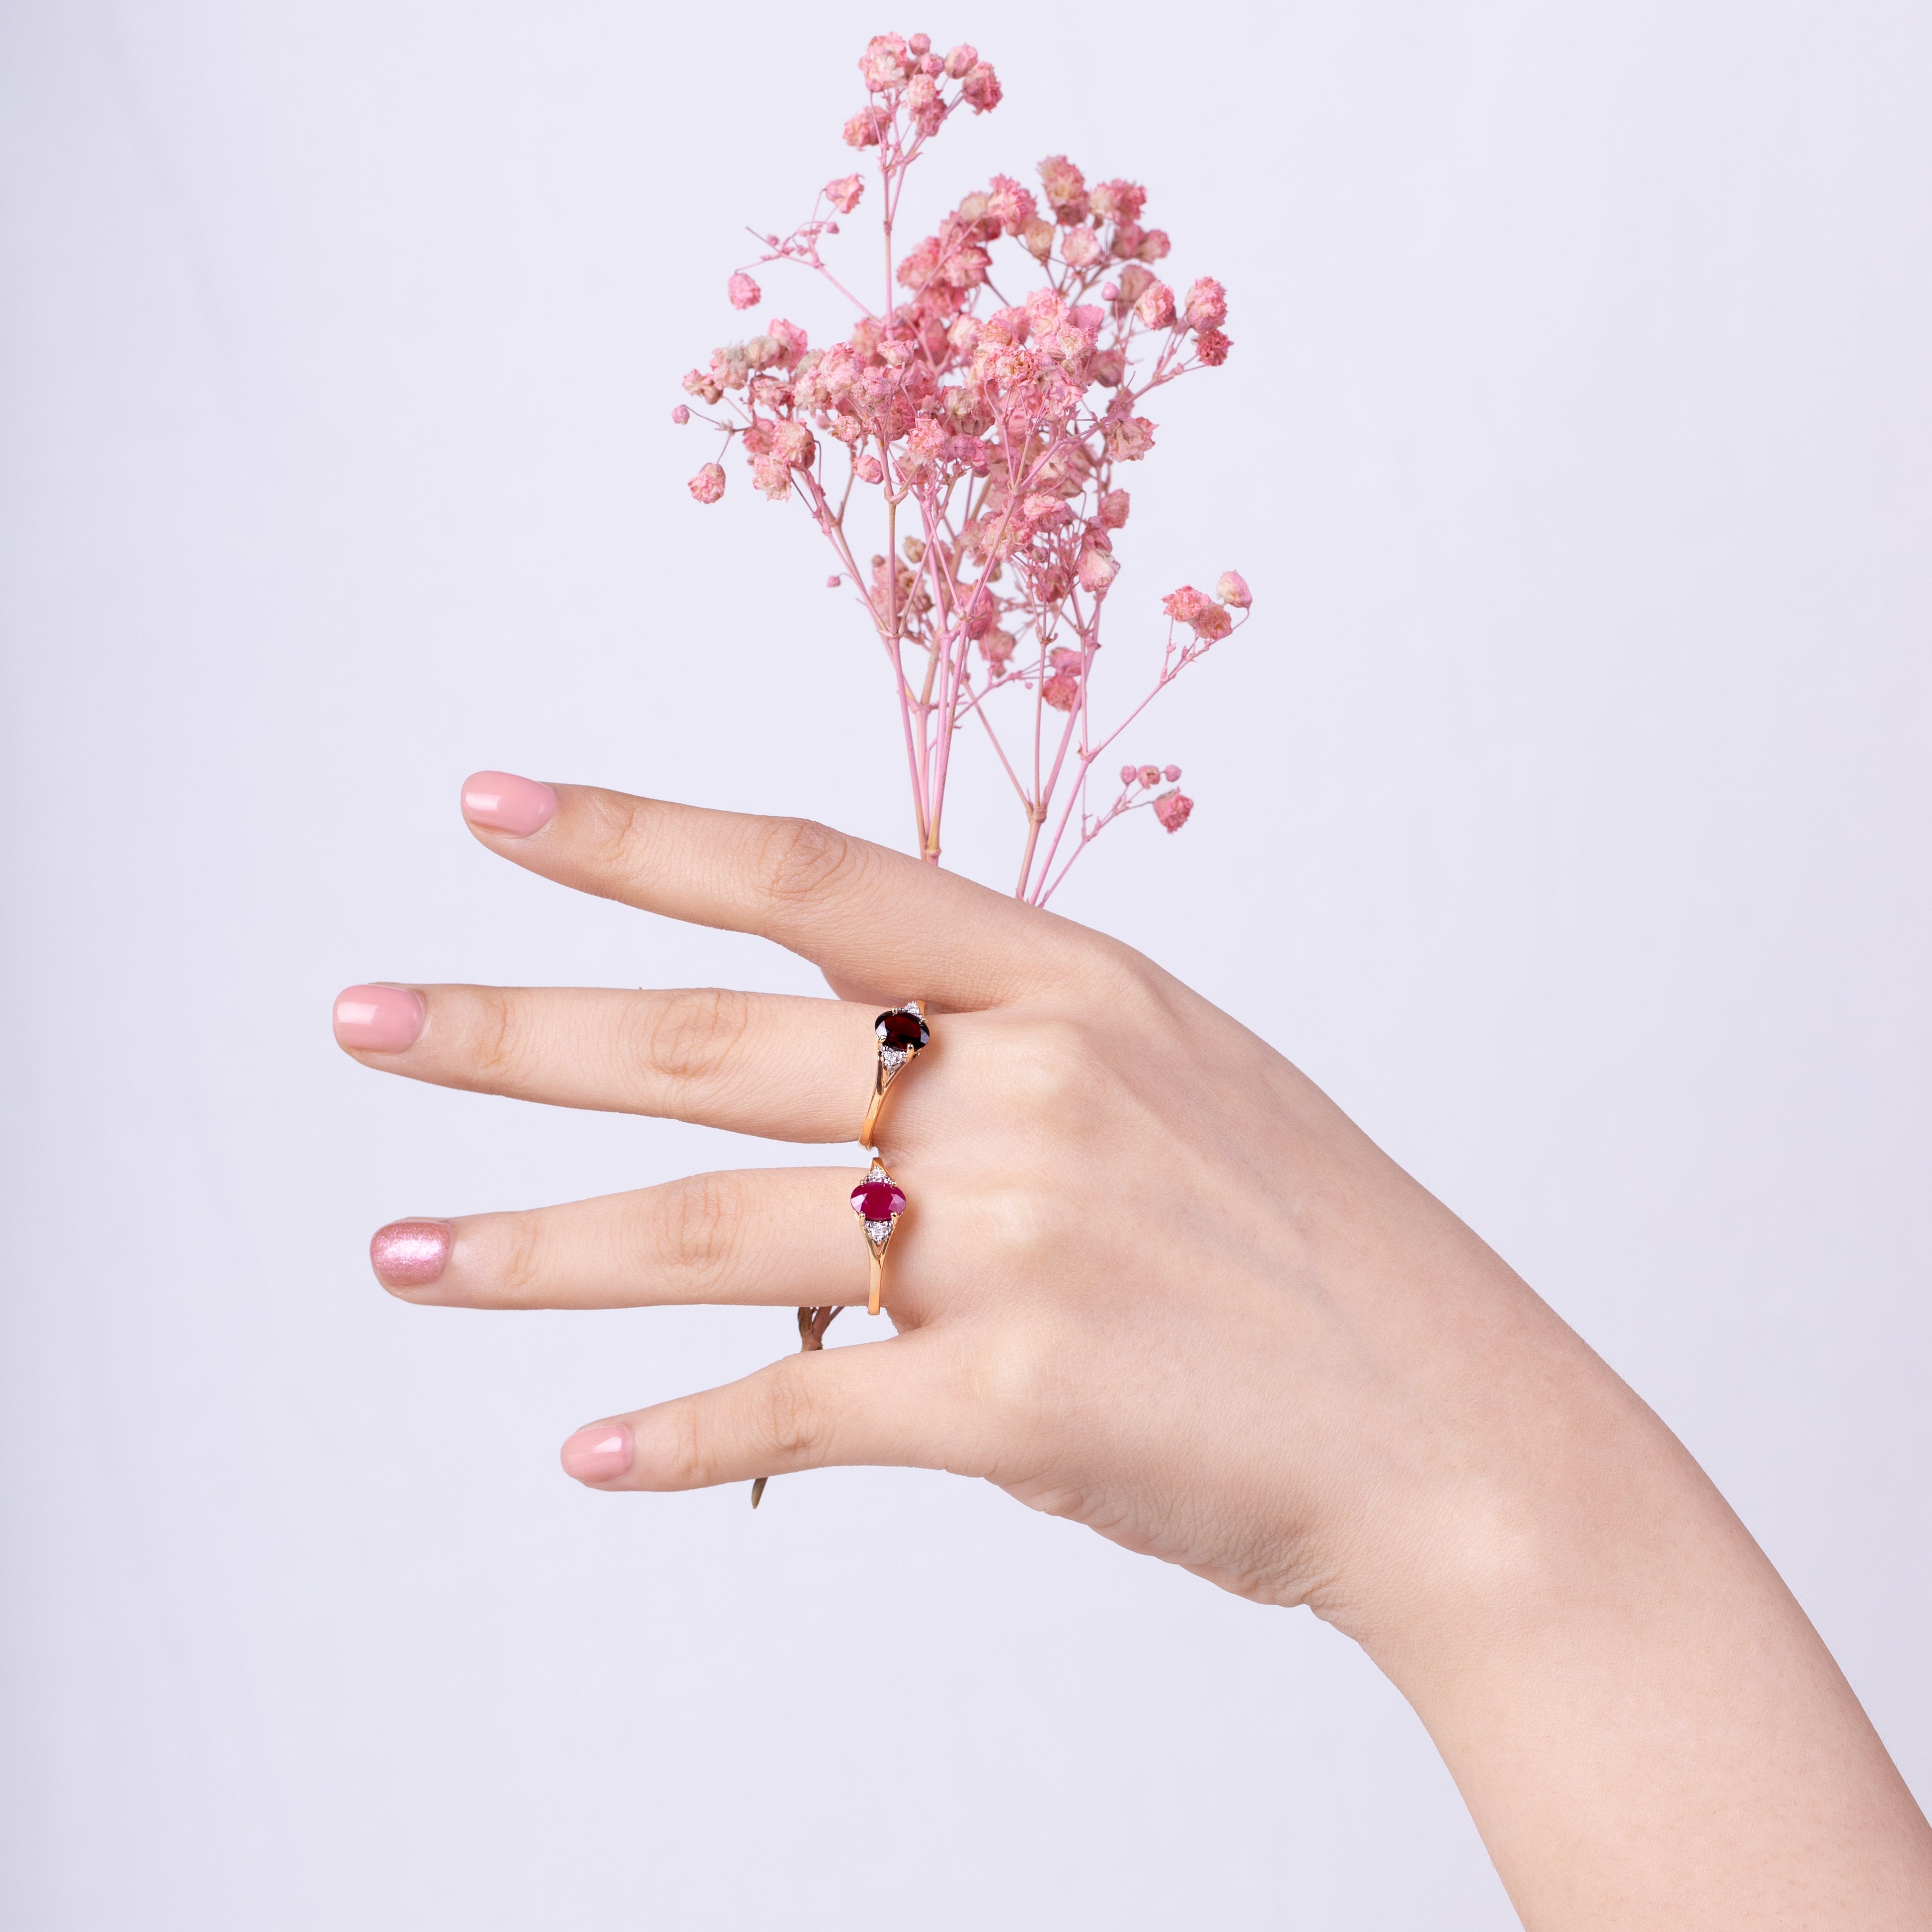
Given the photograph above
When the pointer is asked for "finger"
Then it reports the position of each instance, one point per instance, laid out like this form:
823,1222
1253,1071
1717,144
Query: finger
781,1238
871,917
788,1068
903,1401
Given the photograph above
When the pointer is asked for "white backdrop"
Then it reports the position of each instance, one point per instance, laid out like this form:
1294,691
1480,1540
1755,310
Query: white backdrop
1564,812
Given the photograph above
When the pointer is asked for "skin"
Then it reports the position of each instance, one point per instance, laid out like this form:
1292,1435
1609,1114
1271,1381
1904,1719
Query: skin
1154,1280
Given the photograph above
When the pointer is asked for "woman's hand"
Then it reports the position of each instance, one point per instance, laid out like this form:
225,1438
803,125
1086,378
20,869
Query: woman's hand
1152,1279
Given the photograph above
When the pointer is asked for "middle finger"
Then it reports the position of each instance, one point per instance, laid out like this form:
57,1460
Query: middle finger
777,1065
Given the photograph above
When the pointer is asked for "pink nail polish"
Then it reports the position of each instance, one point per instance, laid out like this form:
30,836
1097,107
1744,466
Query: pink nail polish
381,1019
504,802
596,1454
410,1254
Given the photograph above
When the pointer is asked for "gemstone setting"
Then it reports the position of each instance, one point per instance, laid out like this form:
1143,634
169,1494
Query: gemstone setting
878,1202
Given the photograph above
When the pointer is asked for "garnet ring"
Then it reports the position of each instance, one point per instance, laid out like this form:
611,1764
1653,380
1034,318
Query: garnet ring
902,1034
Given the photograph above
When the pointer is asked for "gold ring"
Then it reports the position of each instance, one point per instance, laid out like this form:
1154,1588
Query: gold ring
902,1035
878,1201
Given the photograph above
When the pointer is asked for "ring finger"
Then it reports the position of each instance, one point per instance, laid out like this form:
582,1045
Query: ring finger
782,1067
762,1237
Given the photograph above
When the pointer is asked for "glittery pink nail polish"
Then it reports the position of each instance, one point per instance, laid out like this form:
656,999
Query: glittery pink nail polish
504,802
410,1254
379,1019
596,1454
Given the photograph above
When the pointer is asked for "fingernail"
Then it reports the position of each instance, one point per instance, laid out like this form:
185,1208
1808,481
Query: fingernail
596,1454
383,1019
504,802
410,1254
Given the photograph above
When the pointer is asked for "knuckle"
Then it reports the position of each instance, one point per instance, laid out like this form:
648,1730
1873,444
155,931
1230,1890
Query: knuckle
800,859
502,1045
789,1418
693,1035
697,1224
613,833
1054,1066
684,1465
523,1262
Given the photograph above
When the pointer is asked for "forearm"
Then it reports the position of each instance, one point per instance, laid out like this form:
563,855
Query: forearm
1646,1728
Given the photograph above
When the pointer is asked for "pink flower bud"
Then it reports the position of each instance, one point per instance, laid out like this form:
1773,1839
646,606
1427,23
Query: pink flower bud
1212,347
1080,247
1207,304
1172,775
864,128
1150,775
745,293
1153,247
1097,571
961,61
708,485
680,414
871,470
1062,690
1129,773
921,44
1114,506
1036,236
981,90
794,444
844,193
833,583
1172,809
1128,438
1232,588
1156,306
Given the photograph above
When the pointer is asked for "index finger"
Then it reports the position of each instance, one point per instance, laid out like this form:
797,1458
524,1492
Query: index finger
869,917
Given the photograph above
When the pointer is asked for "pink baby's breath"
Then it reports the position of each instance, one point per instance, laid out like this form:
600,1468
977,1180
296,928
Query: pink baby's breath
979,408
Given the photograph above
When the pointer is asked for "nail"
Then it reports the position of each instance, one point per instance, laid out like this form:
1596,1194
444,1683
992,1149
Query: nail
382,1019
504,802
596,1454
410,1254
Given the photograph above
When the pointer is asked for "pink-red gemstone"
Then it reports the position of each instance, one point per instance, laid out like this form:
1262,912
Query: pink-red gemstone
877,1200
904,1032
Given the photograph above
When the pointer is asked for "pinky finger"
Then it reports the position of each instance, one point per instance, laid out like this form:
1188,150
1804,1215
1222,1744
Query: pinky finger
899,1403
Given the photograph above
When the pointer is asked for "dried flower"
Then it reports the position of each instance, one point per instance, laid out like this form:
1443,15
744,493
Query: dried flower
1156,306
680,414
1207,304
993,425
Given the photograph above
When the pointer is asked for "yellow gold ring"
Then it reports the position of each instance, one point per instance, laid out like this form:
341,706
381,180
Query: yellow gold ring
902,1035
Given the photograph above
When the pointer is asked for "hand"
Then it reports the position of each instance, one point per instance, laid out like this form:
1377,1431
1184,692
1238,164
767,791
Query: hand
1152,1279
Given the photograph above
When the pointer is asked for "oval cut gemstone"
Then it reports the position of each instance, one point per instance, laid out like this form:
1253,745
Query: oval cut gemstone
905,1033
877,1200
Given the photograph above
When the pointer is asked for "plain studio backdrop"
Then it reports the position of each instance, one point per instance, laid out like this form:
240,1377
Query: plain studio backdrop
1563,811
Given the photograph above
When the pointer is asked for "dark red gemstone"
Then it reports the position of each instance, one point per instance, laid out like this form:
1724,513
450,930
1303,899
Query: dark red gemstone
877,1200
905,1032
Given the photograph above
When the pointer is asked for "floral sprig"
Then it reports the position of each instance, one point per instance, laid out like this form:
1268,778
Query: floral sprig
990,431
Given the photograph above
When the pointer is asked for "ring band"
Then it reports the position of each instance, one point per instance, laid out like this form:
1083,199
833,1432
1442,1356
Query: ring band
902,1035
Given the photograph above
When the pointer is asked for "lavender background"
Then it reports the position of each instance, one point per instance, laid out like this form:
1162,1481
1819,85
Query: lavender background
1565,812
